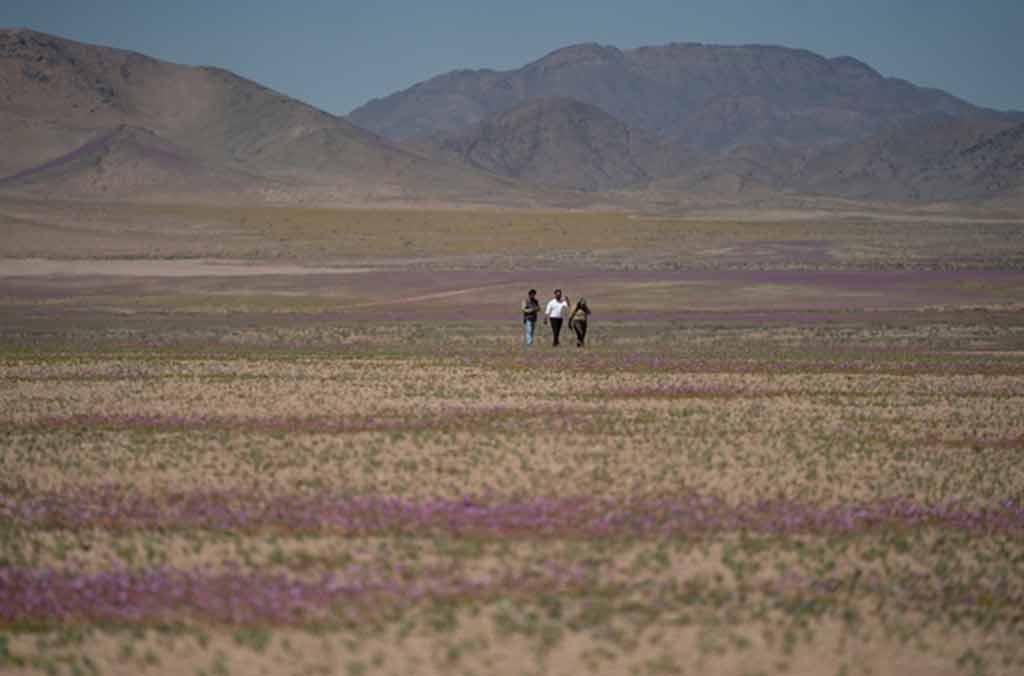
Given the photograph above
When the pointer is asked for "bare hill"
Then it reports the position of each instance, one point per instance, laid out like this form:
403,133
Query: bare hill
129,159
931,159
83,120
708,96
575,145
934,159
59,97
559,142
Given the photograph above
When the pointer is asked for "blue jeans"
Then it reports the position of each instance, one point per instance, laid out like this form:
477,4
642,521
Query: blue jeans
528,328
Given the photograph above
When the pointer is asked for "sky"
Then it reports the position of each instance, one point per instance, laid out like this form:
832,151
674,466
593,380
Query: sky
339,54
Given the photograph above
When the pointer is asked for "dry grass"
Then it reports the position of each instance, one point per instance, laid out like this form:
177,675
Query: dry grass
792,446
849,236
819,417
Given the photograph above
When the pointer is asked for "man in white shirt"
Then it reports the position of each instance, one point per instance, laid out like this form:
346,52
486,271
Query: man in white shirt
555,312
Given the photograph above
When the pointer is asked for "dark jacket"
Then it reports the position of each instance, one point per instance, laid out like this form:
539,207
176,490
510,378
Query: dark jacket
531,308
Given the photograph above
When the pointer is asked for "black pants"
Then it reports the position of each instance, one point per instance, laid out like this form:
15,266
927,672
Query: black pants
556,328
580,327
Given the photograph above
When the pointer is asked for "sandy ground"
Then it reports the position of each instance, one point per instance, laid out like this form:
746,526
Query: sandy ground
851,237
316,445
37,289
42,267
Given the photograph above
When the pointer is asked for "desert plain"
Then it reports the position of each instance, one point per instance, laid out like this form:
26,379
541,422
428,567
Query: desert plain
286,440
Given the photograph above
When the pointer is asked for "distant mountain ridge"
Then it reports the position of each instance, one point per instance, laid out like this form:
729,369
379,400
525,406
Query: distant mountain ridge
80,120
577,146
560,142
937,158
61,100
707,96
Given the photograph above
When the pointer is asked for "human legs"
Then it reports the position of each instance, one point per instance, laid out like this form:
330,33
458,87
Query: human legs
556,328
528,330
580,327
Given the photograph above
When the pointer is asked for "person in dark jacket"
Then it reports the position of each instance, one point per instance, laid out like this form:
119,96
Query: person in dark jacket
531,310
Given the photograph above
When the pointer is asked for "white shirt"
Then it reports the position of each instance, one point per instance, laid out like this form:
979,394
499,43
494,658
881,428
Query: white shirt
556,308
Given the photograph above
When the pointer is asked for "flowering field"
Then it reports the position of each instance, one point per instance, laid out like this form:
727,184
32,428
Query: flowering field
822,497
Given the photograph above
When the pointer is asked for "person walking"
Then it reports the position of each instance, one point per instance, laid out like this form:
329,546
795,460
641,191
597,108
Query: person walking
531,308
578,320
554,313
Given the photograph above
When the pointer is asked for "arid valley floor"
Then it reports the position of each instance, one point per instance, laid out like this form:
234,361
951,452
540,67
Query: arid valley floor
310,441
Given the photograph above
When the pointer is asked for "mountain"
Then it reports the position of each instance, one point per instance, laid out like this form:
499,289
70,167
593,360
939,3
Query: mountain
929,159
934,159
127,159
710,97
64,102
558,142
573,145
670,125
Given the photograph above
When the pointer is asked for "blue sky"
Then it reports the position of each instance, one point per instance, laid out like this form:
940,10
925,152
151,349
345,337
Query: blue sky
337,55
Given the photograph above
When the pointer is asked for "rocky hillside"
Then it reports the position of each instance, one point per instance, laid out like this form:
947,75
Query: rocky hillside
559,142
929,159
128,159
934,159
710,97
577,146
62,101
658,124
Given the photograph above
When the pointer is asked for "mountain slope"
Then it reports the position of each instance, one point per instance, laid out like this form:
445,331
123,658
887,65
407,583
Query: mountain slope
81,120
939,158
127,159
708,96
57,95
559,142
931,159
577,146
